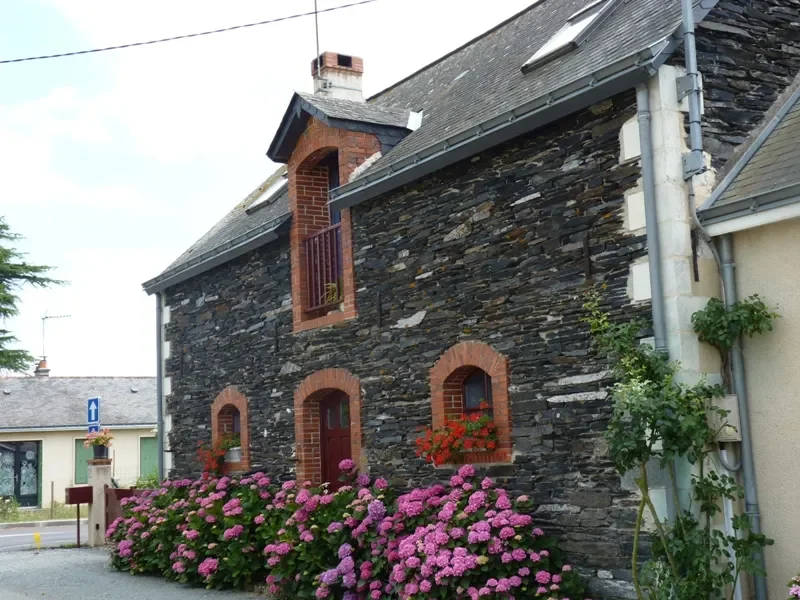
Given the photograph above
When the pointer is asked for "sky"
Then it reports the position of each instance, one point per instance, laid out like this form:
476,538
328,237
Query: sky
112,164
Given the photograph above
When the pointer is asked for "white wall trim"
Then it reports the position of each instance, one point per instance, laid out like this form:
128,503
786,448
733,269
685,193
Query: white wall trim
76,428
758,219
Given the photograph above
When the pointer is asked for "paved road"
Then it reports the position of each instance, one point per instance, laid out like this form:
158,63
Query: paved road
85,574
21,538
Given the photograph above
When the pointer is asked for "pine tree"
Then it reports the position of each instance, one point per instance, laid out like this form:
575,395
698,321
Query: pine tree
15,273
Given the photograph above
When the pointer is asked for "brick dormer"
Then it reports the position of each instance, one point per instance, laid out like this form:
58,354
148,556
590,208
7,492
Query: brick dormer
323,138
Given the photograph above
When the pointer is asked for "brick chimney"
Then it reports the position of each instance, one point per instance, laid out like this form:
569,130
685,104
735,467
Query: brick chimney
339,76
41,369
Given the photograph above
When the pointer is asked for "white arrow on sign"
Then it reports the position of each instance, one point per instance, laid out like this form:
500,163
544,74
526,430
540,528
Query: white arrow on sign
94,410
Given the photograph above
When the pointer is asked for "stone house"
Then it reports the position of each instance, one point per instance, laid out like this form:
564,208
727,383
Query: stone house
428,249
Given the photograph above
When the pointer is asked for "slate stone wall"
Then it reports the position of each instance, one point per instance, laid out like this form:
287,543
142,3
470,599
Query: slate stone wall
748,53
492,249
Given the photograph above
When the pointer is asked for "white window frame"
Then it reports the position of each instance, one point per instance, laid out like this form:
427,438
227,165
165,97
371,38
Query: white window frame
577,28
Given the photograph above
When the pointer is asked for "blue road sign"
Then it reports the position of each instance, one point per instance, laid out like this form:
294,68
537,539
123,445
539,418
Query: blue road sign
93,411
94,428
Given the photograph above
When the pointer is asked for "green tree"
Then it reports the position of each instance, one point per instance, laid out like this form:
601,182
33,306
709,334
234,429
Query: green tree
15,273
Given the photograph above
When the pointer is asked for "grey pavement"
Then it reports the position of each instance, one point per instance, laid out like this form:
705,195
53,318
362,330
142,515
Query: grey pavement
85,574
21,538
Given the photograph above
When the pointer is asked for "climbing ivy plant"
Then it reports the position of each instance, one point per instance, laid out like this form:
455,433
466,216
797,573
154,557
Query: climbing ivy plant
656,418
720,325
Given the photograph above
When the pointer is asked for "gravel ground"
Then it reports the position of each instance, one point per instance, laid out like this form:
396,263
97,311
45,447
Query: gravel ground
86,575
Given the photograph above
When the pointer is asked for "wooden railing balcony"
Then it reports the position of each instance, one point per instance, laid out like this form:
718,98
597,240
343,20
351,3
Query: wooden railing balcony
324,268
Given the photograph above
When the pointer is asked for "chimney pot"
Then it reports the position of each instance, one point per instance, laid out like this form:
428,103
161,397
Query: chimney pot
338,76
41,369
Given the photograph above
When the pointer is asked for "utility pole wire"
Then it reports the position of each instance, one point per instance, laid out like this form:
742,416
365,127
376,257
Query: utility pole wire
188,35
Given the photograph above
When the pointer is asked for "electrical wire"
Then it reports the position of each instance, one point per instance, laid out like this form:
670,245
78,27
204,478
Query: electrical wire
186,36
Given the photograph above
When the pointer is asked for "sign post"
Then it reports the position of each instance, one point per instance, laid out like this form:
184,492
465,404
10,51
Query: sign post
93,414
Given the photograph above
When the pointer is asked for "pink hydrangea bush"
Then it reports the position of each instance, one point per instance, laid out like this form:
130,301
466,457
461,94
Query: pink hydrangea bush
334,536
794,588
195,531
464,540
473,539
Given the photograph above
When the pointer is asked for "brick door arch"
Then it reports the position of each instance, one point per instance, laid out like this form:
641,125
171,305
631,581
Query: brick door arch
447,377
231,398
307,423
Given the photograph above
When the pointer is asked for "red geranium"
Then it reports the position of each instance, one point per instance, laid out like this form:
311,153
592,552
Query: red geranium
212,456
476,431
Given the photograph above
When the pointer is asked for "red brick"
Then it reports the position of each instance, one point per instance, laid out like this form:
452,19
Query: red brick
229,400
446,379
306,408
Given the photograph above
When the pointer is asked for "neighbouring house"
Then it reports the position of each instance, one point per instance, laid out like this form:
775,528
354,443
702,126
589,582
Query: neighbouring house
43,426
754,214
426,250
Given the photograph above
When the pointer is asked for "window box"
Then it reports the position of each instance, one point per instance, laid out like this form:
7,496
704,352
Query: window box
458,438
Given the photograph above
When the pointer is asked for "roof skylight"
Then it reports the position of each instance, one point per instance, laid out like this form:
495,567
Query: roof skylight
571,35
269,193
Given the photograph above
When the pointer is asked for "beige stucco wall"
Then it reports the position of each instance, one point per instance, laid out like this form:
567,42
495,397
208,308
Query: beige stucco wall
57,457
767,264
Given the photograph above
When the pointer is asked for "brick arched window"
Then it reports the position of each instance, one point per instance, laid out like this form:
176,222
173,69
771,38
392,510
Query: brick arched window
229,417
473,377
323,277
327,411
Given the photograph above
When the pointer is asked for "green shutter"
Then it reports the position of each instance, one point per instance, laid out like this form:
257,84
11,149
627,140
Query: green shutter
81,467
148,455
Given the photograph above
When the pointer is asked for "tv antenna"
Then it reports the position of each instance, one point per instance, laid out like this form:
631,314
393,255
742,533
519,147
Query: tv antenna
44,321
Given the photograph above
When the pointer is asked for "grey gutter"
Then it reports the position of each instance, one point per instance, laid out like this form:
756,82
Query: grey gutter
750,205
258,236
740,389
617,77
160,382
602,84
750,152
74,427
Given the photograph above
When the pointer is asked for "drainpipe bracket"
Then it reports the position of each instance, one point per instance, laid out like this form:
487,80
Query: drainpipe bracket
686,85
693,164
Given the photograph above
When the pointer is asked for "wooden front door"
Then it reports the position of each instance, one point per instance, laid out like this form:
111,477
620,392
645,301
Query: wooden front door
335,435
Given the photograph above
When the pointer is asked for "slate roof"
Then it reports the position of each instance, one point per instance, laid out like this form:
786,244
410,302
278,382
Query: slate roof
390,125
483,79
60,402
764,172
473,92
348,110
231,234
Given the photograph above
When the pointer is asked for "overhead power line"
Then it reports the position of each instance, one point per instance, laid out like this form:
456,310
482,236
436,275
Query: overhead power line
188,35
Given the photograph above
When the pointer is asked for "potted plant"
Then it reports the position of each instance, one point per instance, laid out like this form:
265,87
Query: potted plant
475,432
100,441
232,445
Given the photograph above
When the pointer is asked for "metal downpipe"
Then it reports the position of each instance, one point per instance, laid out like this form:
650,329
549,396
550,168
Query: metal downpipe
160,383
695,118
651,217
653,238
727,269
740,389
